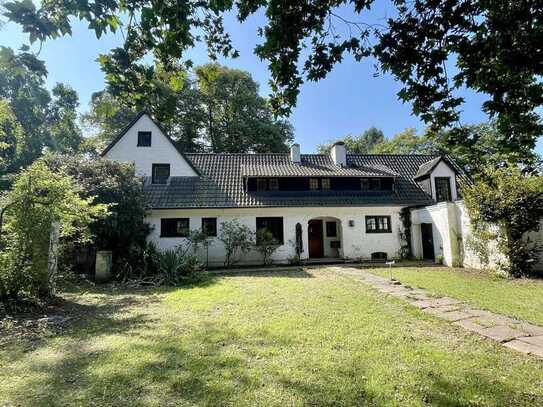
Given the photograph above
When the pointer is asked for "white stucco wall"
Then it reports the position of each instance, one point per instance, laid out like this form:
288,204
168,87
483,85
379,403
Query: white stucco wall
443,170
451,227
445,231
161,151
356,244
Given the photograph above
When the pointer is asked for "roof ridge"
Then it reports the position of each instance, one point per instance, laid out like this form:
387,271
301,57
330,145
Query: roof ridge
316,154
394,155
236,154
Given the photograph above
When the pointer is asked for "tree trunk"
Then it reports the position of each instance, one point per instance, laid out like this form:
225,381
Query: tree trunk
52,265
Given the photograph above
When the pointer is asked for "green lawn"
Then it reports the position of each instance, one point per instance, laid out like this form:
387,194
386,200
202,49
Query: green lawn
520,298
290,338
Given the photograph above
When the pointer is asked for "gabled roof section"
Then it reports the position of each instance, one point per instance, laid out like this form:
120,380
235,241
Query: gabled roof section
222,184
136,118
426,168
311,165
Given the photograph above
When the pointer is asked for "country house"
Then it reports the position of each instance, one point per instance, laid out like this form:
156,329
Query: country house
341,205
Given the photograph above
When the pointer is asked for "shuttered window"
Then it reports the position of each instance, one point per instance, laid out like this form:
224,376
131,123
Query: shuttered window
144,139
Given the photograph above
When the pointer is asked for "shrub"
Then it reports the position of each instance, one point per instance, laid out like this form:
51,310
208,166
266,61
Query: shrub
39,198
123,231
513,202
238,239
176,266
266,244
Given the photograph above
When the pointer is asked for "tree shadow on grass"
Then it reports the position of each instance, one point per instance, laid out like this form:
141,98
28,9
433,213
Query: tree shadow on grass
215,365
294,273
119,352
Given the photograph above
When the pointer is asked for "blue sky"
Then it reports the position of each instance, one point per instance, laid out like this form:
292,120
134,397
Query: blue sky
348,101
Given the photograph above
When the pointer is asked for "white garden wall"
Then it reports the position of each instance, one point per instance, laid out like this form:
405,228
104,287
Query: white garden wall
451,228
356,243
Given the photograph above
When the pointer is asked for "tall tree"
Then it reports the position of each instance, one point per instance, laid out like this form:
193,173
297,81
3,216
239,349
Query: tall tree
44,120
493,45
64,132
406,142
167,93
480,147
220,111
11,133
362,144
106,116
238,119
22,84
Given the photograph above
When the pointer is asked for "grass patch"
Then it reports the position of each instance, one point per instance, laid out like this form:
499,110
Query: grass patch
519,298
287,338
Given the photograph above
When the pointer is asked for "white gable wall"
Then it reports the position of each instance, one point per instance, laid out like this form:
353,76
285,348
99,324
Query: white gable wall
161,151
443,170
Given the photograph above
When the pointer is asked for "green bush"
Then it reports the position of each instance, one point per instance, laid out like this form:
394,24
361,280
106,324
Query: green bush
39,197
237,239
266,244
123,231
176,266
512,202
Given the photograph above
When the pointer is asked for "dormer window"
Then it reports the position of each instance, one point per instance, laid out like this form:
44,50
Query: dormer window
375,184
261,184
144,139
443,189
161,173
274,184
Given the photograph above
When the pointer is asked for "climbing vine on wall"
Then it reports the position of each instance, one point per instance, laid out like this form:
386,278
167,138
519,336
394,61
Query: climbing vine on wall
512,202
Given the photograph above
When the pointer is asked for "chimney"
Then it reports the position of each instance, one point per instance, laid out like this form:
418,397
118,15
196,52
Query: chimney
339,154
295,153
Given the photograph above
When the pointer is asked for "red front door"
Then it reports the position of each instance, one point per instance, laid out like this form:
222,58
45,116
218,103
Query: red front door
316,246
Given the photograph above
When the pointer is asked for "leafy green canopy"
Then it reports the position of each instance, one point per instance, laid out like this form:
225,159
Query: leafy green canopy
31,117
113,184
512,201
220,110
478,149
362,144
435,48
38,198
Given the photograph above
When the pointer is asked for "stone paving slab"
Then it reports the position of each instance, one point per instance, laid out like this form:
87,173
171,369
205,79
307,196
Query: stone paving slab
530,329
515,334
502,333
447,315
525,347
534,340
470,325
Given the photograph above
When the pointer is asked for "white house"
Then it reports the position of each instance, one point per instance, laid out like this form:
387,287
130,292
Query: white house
335,206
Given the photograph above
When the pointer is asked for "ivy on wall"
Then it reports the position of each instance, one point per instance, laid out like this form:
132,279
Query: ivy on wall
512,203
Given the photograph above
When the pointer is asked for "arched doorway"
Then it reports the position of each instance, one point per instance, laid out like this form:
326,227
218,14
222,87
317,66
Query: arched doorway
324,236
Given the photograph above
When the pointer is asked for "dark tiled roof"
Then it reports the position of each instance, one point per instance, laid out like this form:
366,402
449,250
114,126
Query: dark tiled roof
427,167
221,184
311,165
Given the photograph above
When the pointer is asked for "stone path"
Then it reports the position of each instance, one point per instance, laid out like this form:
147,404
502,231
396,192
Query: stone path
513,333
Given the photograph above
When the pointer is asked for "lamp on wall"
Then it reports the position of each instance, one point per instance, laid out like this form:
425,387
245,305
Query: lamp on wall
351,223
